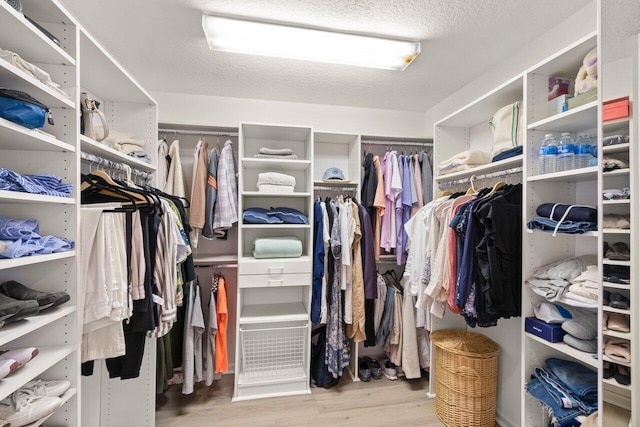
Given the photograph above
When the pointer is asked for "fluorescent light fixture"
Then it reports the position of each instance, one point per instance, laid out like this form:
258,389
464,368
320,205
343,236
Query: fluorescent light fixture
285,41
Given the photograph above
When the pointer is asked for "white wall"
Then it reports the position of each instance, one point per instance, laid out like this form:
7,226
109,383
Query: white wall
228,112
573,28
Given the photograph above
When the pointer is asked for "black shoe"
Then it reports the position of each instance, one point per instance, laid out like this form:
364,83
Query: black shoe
608,370
622,375
12,310
45,300
364,373
375,368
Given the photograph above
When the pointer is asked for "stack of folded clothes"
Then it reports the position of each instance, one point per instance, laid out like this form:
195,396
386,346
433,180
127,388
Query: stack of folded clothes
19,237
44,184
125,143
556,282
616,193
281,215
31,69
567,219
276,153
610,164
622,222
566,390
277,247
463,161
275,182
615,140
582,332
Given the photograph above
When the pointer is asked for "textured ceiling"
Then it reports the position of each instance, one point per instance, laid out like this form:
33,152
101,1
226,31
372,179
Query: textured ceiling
162,44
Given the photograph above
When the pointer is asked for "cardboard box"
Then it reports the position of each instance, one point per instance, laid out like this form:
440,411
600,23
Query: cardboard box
558,104
583,98
615,109
551,332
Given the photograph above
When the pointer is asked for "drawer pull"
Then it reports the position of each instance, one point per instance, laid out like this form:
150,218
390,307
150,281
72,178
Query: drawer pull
276,282
276,270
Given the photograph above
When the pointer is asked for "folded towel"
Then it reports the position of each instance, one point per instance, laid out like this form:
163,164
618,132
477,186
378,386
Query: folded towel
469,157
275,178
269,156
276,151
277,247
276,189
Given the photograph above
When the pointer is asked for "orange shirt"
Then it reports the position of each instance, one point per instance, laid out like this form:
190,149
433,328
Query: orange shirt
222,359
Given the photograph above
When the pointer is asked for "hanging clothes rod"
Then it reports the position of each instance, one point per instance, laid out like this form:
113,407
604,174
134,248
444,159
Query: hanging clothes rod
512,171
196,132
110,164
335,188
216,265
399,143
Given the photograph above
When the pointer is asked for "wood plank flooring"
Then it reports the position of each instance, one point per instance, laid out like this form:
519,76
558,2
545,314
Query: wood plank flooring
377,403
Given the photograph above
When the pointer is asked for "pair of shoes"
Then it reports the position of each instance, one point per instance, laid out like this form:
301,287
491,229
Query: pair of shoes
364,372
19,355
618,251
615,300
45,300
35,401
389,370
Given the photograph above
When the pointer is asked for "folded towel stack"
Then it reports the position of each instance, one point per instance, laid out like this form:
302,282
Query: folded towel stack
275,182
125,143
464,160
277,247
276,153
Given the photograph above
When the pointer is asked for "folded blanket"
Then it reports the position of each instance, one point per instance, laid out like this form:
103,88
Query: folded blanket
269,156
276,189
576,213
277,247
567,269
469,157
275,151
276,178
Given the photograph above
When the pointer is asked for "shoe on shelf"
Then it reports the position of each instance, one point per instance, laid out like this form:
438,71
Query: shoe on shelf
24,407
54,388
7,366
376,368
618,322
20,355
21,292
12,310
389,370
622,375
617,300
364,373
608,369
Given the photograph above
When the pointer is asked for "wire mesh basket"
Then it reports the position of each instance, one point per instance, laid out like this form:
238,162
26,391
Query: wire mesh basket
273,352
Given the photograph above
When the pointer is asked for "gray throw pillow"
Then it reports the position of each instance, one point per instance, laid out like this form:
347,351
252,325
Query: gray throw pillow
583,327
588,346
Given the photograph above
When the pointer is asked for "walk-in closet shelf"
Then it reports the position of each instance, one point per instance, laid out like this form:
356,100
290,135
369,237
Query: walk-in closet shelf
54,151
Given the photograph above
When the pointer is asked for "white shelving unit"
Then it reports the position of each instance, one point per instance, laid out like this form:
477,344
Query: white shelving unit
578,186
53,150
274,295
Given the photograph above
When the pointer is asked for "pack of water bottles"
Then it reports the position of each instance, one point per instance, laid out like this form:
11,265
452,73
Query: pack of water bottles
565,153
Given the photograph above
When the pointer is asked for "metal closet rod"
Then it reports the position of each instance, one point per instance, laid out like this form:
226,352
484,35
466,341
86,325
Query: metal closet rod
392,143
231,265
196,132
512,171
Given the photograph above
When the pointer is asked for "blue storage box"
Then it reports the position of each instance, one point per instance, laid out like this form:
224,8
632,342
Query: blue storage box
551,332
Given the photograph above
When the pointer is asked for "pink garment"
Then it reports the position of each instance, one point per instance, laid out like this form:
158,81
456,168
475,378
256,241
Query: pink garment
392,188
399,225
378,203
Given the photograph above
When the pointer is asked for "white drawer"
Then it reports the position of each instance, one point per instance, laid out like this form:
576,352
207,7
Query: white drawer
270,280
280,266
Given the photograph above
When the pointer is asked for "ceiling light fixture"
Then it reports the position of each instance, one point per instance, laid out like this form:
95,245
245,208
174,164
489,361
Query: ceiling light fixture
285,41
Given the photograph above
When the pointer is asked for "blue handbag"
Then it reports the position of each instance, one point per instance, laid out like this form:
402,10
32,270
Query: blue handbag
23,109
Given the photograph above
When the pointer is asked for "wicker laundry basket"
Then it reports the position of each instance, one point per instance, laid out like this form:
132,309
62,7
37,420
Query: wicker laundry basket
466,378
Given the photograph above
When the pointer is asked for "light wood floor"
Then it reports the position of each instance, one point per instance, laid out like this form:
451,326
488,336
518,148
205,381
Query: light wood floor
377,403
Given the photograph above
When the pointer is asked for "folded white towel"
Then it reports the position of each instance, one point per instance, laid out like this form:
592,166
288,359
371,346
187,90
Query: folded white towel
276,151
271,156
276,189
469,157
276,178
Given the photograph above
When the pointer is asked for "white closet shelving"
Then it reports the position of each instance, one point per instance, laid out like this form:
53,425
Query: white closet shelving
468,129
274,295
54,151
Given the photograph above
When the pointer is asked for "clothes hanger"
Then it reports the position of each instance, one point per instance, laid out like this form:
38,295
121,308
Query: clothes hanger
443,193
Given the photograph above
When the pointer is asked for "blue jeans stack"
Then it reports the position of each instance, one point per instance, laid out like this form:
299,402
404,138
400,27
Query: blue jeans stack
567,389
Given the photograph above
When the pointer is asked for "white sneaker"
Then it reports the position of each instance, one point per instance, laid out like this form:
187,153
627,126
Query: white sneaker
20,355
23,407
47,388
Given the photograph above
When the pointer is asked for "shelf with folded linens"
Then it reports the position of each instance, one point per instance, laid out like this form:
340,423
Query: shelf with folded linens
96,148
21,36
47,357
16,137
268,194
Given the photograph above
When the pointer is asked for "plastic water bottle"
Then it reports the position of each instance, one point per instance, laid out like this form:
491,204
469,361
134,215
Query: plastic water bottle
566,153
547,154
583,151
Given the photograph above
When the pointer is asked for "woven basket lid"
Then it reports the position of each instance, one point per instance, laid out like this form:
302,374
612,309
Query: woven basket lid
465,343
